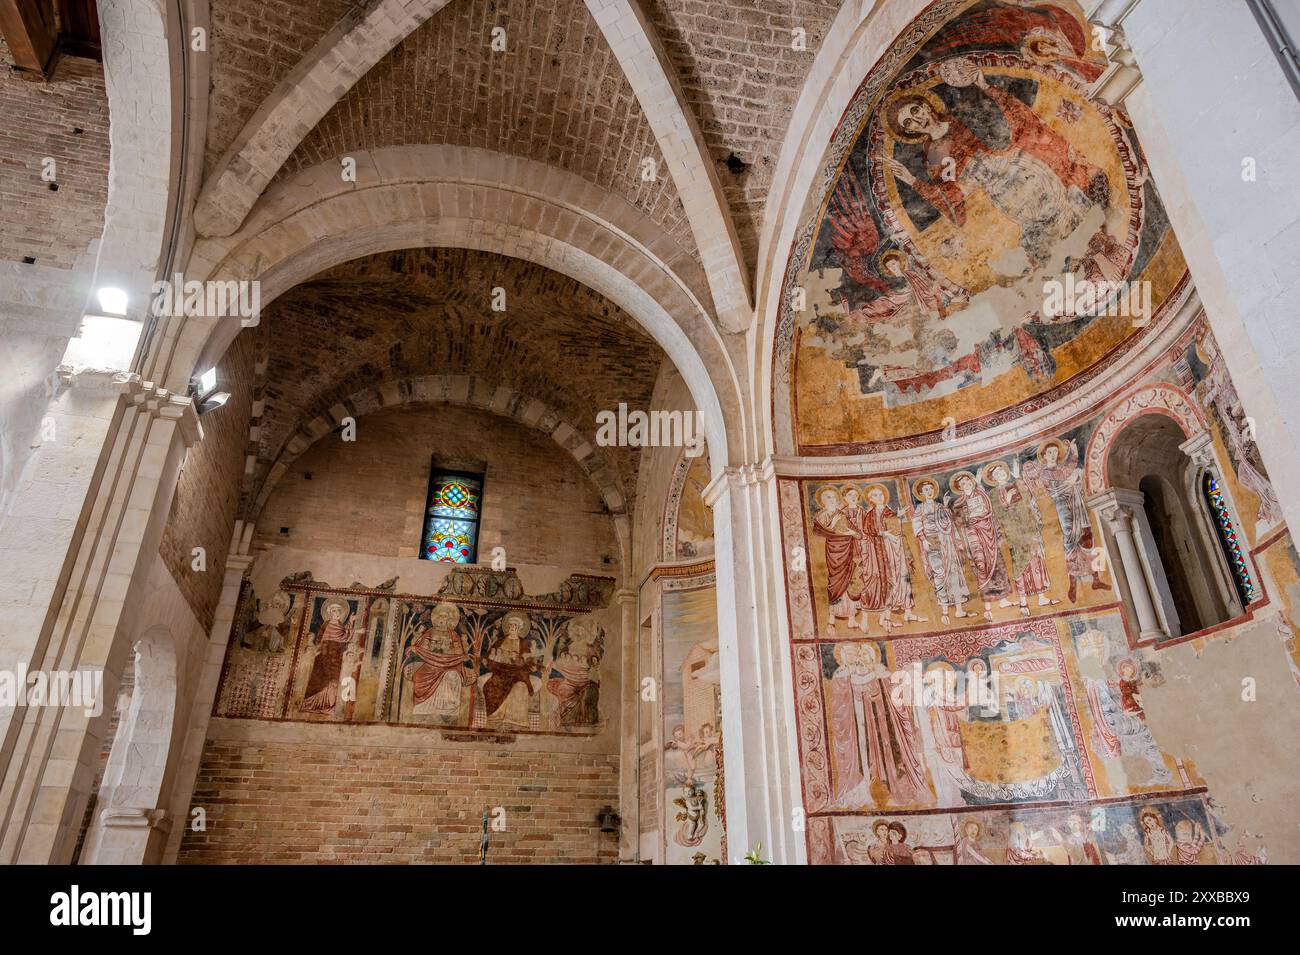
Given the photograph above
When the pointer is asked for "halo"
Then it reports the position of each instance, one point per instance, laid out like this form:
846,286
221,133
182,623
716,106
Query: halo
920,482
1051,443
523,618
895,102
1030,45
952,481
890,255
866,491
335,602
986,472
444,609
821,493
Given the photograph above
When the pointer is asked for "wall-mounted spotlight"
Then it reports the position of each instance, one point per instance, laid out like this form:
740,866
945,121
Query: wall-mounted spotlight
204,391
112,301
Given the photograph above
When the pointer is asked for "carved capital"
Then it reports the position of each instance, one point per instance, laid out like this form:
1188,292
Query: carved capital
1122,76
736,478
1200,448
132,817
160,403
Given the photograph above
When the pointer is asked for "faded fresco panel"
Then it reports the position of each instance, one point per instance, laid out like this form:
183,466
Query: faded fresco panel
972,172
479,655
694,826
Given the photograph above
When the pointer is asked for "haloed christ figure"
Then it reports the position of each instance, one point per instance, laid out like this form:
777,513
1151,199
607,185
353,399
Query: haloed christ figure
1037,180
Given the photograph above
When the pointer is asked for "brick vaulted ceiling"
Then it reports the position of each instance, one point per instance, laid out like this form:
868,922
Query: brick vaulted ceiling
741,76
557,94
422,312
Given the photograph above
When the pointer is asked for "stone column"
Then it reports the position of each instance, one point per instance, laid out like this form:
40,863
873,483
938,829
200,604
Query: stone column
759,744
50,752
1218,120
204,697
1120,520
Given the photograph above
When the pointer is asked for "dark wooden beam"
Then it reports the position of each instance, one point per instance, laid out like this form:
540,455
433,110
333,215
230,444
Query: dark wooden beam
78,27
30,30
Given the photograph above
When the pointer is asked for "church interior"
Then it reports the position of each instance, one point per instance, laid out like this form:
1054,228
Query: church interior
672,432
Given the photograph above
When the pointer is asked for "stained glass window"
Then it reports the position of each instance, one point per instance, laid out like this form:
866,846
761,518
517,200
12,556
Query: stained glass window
451,517
1229,540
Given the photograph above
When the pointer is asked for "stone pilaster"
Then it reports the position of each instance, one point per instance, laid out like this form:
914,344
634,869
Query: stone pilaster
761,751
50,752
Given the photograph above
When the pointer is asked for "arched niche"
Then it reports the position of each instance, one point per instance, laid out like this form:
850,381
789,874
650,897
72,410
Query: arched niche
129,828
1164,538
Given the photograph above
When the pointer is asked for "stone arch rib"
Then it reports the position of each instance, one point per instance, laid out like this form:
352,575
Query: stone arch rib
319,80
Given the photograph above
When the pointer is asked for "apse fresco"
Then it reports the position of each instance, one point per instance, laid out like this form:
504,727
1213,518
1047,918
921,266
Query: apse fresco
968,688
970,174
479,654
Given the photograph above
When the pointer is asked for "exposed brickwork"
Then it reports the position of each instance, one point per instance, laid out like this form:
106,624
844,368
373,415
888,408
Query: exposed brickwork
203,510
255,43
429,312
556,94
296,802
38,120
368,496
741,77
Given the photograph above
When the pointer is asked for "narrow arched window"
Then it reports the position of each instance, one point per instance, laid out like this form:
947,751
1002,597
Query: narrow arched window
1228,539
451,517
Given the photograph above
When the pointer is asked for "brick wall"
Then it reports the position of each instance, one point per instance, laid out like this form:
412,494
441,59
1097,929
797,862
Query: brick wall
39,120
203,509
290,802
368,496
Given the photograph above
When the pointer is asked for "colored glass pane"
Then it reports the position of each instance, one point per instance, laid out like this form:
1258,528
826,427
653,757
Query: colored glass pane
451,518
1229,539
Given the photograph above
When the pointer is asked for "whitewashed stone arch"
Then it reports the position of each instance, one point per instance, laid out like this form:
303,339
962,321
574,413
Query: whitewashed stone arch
320,79
466,391
126,828
645,63
861,34
434,196
1160,398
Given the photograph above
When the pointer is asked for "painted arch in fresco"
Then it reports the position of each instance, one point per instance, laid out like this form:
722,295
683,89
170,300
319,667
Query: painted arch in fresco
970,174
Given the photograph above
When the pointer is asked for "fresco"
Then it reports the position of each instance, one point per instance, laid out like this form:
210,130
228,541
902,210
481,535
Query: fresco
960,187
1005,537
968,688
694,814
1046,711
688,521
1173,831
478,655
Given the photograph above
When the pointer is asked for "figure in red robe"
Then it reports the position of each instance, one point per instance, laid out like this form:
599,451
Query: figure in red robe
1038,180
875,740
973,511
331,643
